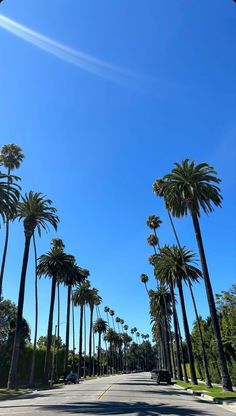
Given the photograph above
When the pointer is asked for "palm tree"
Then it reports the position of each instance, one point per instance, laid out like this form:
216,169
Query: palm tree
189,188
118,322
154,222
100,327
93,300
31,380
111,337
170,268
80,298
161,312
112,313
158,189
57,243
75,276
37,213
56,265
153,241
144,279
107,311
11,157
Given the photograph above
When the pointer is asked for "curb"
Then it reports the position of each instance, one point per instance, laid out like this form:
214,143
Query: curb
209,399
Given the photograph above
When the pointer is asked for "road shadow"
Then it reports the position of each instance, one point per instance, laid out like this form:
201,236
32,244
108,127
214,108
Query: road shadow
119,408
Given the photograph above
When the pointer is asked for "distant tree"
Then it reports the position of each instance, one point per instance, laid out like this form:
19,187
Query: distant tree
8,315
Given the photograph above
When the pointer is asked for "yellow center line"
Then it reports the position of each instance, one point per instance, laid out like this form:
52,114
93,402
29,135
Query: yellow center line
108,388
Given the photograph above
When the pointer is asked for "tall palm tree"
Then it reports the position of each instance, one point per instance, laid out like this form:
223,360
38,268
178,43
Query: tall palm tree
93,300
31,380
111,337
154,222
76,275
118,323
100,326
189,188
153,241
170,268
55,264
11,157
158,189
80,298
112,313
107,311
57,243
144,279
37,213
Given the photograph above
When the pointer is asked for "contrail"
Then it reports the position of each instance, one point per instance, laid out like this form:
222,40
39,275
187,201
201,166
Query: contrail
76,57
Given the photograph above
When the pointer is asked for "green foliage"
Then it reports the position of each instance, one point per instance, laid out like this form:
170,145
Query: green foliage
8,313
226,305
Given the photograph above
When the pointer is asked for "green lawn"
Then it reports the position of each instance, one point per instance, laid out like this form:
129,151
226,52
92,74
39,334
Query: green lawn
216,392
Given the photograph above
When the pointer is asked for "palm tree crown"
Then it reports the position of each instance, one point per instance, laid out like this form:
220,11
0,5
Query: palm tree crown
55,263
152,240
171,267
190,187
37,212
11,156
100,326
153,222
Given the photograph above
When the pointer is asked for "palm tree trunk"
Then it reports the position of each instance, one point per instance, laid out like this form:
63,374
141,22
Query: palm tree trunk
167,330
4,256
158,242
99,352
108,319
84,367
187,335
67,328
111,358
49,333
73,336
90,340
80,339
31,381
226,381
176,333
182,352
12,377
58,330
205,363
93,354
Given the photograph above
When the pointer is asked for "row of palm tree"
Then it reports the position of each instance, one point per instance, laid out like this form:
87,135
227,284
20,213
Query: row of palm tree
37,214
189,188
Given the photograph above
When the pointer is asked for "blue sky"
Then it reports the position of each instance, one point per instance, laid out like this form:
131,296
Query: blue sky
96,138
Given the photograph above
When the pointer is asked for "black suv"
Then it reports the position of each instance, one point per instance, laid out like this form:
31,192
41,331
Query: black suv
71,378
161,375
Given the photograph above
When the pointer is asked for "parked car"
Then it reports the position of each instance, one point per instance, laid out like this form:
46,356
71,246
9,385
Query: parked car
71,378
153,372
161,376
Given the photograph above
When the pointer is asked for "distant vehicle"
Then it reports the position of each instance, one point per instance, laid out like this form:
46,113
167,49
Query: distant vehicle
153,372
71,378
161,376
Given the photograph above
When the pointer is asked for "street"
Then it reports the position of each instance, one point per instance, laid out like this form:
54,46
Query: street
131,394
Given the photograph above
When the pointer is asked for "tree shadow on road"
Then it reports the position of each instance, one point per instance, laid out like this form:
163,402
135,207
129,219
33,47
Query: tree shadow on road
119,408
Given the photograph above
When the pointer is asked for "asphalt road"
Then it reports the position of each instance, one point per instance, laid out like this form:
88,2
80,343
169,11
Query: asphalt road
131,394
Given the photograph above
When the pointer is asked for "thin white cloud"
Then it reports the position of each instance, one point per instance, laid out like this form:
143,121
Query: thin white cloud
75,57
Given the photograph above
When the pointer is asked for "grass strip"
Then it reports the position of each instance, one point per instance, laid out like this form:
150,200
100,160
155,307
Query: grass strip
216,392
6,394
